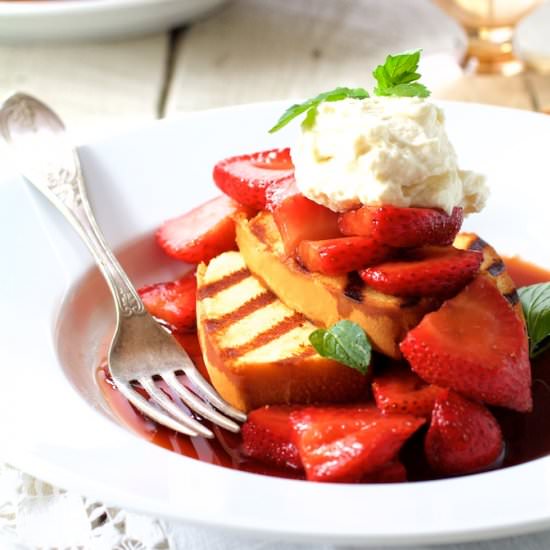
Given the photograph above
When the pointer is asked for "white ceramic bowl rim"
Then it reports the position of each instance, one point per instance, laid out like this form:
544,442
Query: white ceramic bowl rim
78,7
65,440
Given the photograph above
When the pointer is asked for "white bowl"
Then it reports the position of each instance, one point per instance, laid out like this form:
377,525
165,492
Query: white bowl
84,19
56,311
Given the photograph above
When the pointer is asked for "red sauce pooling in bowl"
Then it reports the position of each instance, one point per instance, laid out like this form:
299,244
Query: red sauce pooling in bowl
224,450
527,436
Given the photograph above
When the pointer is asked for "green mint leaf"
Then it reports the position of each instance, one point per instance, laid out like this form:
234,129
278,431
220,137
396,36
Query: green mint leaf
402,64
398,76
311,106
345,342
535,300
309,121
382,78
414,89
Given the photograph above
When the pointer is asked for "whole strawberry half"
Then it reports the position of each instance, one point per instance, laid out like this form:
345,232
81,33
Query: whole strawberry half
399,390
201,234
299,219
429,271
463,436
346,443
249,178
475,344
341,255
173,302
403,227
392,472
268,437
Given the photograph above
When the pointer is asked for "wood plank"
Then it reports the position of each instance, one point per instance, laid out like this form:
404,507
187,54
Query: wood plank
540,89
255,50
93,86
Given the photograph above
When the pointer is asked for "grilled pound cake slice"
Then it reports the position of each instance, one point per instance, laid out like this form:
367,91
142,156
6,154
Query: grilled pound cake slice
494,266
323,299
256,349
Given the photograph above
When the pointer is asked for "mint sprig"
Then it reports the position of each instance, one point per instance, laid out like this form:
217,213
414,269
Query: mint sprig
345,342
311,106
398,76
535,300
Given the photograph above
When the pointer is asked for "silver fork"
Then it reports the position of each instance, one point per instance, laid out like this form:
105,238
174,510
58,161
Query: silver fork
141,350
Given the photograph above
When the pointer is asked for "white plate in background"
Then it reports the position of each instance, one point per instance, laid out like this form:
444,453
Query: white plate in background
54,424
33,21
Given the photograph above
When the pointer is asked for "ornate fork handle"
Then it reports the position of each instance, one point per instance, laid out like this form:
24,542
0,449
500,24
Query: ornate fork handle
48,161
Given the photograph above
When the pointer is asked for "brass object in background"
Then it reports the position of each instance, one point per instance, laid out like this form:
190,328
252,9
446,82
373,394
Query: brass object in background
490,27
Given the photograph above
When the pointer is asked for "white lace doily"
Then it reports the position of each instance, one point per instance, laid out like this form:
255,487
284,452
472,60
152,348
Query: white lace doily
33,515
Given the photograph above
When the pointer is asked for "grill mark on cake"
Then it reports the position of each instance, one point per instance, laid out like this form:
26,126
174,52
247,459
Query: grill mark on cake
263,338
477,244
410,301
258,230
308,351
211,289
512,297
497,267
254,304
355,287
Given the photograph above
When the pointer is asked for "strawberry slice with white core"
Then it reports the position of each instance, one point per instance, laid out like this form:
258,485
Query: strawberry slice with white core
173,302
341,255
403,227
300,219
268,437
346,443
475,344
399,390
201,234
248,179
429,271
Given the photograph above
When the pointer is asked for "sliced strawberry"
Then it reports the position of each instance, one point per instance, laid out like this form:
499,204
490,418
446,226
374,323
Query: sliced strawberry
399,390
247,178
300,219
403,227
346,443
268,437
201,234
392,472
463,437
342,255
475,344
429,271
276,194
174,302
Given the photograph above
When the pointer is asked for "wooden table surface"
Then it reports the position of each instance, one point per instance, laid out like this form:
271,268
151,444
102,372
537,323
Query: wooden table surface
257,50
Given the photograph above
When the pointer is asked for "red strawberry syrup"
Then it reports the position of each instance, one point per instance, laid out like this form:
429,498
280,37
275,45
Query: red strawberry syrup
527,436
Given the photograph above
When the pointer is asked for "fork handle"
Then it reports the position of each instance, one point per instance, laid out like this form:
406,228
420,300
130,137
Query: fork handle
50,163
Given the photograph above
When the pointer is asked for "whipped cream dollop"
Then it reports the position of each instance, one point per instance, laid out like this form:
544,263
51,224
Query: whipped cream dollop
383,151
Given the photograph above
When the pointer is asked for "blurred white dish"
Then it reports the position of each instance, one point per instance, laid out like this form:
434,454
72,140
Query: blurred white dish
56,312
93,19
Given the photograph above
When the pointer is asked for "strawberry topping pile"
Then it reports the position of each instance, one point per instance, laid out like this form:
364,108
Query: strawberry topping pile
467,356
